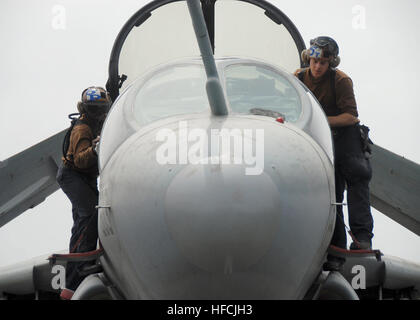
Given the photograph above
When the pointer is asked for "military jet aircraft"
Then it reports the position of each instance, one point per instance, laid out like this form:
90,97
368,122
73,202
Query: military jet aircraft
209,171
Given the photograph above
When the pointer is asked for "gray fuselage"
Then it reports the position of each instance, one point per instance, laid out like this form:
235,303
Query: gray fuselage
194,206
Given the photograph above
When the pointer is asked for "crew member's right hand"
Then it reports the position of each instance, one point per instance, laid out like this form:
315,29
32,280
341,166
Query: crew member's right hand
95,144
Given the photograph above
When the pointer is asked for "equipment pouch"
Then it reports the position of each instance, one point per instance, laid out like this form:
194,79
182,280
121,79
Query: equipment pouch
366,142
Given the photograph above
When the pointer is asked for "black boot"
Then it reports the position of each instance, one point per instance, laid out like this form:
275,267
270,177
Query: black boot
333,263
364,242
361,245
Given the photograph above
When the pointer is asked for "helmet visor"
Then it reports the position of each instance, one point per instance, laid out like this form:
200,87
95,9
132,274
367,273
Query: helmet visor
326,44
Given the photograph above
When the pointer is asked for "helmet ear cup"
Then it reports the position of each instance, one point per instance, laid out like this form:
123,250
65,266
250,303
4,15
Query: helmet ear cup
335,62
304,56
81,107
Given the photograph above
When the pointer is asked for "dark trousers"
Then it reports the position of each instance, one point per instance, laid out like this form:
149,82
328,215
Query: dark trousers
352,169
360,217
83,193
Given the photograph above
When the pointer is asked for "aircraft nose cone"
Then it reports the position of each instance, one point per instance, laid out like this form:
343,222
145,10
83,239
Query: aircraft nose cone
210,231
221,219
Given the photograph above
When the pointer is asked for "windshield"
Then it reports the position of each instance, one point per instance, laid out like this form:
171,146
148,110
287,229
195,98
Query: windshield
175,90
250,88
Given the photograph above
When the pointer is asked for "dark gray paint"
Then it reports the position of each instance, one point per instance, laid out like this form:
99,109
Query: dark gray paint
395,188
27,178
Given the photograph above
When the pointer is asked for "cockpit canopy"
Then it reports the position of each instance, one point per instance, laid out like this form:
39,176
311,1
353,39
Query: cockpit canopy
157,54
179,89
162,32
254,87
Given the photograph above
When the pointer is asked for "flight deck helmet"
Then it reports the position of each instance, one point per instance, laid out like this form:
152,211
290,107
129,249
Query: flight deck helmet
95,102
322,47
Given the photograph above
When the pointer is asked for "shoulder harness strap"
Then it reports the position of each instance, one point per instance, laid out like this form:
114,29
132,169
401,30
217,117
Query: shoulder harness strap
66,141
301,74
332,79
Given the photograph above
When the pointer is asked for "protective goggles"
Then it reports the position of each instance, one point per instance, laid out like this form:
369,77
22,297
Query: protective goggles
322,47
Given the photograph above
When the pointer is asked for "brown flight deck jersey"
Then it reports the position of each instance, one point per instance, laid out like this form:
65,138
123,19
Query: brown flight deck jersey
321,88
80,155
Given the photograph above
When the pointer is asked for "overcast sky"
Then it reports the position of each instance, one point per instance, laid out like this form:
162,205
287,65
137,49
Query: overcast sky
46,61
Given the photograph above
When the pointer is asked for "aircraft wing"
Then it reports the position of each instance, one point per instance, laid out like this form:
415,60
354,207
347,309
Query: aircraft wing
389,278
395,188
28,177
29,277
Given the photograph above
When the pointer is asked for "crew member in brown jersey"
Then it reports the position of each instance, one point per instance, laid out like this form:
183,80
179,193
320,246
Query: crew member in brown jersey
77,177
334,91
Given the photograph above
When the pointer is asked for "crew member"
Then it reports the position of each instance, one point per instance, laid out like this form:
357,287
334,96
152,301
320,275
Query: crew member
334,91
77,177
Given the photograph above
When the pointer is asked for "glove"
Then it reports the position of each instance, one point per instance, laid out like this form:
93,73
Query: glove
95,144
